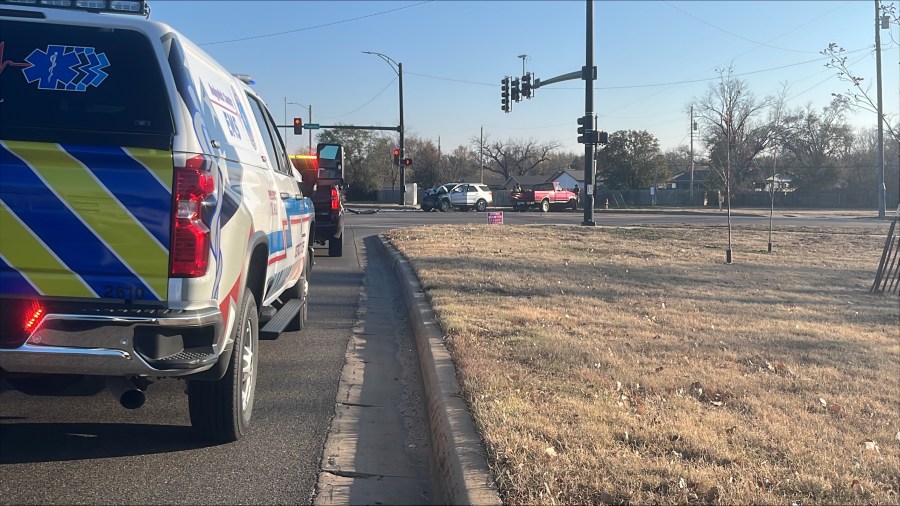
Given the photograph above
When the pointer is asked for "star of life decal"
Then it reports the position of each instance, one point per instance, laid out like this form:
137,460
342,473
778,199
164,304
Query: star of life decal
66,68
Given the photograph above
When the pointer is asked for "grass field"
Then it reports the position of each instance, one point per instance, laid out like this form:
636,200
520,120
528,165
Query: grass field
634,366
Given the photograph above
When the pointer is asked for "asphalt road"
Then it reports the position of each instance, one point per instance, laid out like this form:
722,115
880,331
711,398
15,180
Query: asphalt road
90,450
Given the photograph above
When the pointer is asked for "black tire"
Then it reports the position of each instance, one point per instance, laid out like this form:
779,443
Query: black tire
481,206
545,206
426,208
299,291
336,246
445,206
573,204
221,410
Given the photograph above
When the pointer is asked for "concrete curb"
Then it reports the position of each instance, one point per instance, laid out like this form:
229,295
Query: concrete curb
459,456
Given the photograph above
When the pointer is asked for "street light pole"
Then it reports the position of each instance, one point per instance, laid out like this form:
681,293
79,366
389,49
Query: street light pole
399,71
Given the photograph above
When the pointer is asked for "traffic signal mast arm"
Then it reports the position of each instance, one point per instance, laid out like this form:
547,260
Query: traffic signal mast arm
579,74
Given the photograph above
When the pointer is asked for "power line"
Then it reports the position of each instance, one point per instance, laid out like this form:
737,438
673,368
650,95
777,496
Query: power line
649,85
367,103
451,79
275,34
735,34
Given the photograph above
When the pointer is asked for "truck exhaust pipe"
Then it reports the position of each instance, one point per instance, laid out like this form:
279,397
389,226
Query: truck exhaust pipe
128,395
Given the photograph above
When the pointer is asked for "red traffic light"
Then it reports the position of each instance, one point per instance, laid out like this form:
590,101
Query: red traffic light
298,126
396,152
407,161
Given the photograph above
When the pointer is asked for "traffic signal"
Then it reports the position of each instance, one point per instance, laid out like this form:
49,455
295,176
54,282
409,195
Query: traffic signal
586,127
298,126
515,90
396,156
504,95
602,138
527,91
407,161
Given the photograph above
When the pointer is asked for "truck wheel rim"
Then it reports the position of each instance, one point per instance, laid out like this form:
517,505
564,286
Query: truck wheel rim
247,357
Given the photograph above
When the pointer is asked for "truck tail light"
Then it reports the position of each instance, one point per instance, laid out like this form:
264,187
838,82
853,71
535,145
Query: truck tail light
335,199
19,319
33,317
189,252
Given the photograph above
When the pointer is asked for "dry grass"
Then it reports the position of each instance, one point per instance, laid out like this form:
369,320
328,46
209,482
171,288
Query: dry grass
634,366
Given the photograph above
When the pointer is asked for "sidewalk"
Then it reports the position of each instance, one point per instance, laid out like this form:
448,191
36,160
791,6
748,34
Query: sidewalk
369,207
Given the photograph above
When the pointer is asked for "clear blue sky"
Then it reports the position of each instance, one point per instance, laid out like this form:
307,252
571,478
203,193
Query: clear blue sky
454,54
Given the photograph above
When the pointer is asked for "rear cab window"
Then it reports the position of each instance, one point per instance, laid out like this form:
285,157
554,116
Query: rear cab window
82,85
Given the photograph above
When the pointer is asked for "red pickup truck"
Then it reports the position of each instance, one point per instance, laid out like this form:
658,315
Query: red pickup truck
545,196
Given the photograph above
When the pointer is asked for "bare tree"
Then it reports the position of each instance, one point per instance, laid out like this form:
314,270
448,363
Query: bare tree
776,117
733,133
514,157
734,136
857,96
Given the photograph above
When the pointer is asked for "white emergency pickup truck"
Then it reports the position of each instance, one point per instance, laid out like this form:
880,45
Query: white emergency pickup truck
152,223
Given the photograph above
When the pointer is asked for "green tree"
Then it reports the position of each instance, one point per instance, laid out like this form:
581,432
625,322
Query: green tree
459,165
632,160
426,161
367,159
814,145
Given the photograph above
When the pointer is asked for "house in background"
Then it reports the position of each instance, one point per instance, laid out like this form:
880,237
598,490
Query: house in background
782,182
682,180
567,179
525,181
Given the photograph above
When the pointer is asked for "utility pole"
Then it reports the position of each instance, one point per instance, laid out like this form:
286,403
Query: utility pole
481,145
880,190
693,127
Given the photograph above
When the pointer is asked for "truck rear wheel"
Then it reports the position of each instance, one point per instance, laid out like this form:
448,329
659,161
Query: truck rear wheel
336,246
300,291
545,206
221,410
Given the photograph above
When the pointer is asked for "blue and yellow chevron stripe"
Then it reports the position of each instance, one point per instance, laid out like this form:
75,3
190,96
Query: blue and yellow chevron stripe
84,221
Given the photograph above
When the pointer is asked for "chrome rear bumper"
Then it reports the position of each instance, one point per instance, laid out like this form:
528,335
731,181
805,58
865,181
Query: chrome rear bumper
114,343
